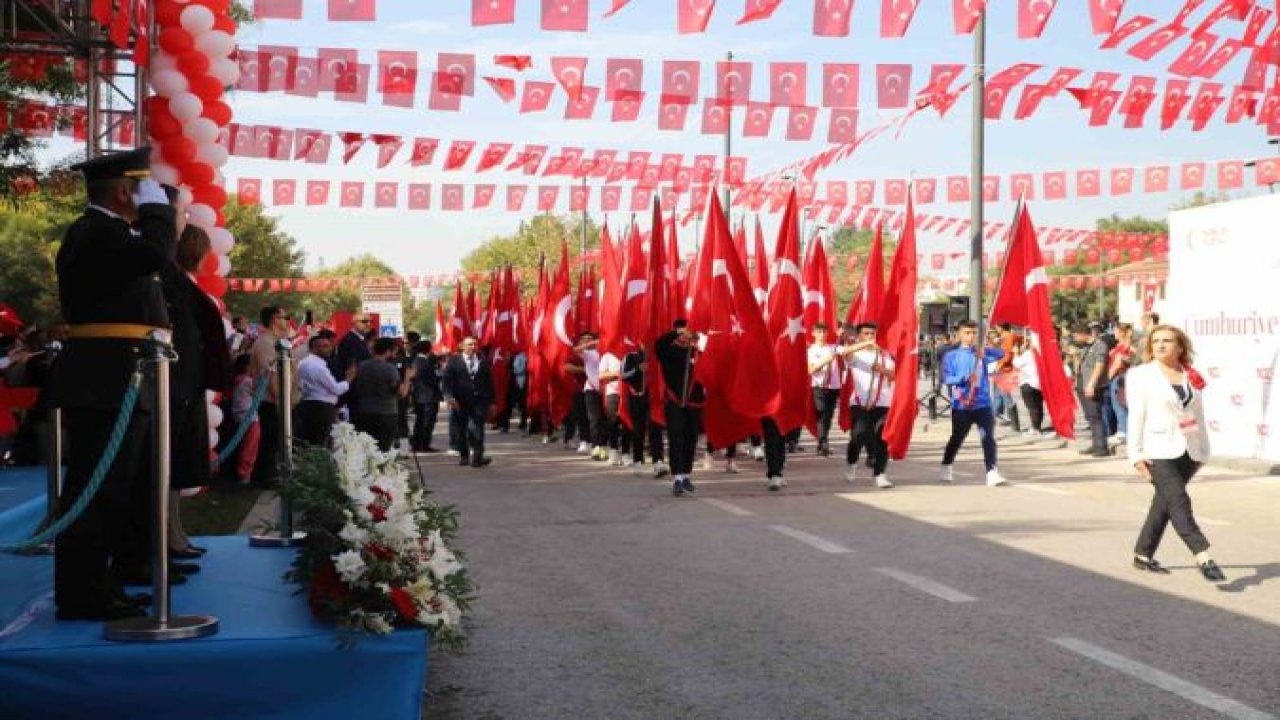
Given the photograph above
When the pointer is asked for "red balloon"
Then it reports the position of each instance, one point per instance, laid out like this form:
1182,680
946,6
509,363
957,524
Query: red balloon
206,87
196,173
219,7
215,285
208,264
178,151
176,41
219,218
225,23
193,63
211,195
169,13
162,124
217,111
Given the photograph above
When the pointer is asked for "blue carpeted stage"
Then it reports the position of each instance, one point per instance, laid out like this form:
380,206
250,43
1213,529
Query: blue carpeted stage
270,659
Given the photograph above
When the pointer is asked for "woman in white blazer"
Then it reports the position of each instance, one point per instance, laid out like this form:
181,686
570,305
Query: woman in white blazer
1167,444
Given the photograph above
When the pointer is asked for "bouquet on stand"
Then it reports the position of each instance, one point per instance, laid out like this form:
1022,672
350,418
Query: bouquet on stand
377,554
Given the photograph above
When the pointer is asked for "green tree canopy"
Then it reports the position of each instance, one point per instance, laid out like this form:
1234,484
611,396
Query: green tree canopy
262,250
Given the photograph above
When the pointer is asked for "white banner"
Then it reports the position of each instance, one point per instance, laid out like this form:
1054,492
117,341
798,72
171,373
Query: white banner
1224,290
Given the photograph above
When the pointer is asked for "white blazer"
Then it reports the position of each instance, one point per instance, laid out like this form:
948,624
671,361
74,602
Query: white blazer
1154,411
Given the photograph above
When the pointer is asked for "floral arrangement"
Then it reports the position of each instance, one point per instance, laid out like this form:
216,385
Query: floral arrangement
377,554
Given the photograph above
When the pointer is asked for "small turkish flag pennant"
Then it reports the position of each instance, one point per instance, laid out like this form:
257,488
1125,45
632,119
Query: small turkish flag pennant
692,16
564,15
493,12
353,10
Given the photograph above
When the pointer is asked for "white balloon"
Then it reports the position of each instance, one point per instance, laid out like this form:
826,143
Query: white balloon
197,19
212,154
169,83
162,60
164,174
226,70
213,438
215,43
210,397
185,198
215,415
201,130
221,241
202,216
185,106
224,265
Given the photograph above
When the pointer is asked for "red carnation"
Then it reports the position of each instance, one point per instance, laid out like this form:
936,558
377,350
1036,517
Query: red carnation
376,512
380,551
404,604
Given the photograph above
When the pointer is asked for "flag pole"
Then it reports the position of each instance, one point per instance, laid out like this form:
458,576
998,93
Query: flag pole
728,149
976,269
584,216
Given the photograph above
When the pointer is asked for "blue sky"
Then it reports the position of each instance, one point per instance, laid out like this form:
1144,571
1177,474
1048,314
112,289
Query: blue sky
1057,138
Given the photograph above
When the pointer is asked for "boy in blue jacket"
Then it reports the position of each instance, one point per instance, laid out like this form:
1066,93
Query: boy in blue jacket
970,387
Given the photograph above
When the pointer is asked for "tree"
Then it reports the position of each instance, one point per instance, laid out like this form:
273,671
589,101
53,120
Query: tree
534,240
30,235
261,250
324,305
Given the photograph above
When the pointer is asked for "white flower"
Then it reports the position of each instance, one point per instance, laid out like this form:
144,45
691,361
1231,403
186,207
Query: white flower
350,566
400,529
354,535
375,622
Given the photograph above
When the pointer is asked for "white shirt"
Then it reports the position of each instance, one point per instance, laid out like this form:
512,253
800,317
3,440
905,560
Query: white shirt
591,365
1025,364
828,377
869,386
611,364
317,382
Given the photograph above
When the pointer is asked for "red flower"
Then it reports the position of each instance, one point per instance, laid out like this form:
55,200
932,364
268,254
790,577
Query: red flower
1194,377
376,512
379,491
326,588
380,552
404,604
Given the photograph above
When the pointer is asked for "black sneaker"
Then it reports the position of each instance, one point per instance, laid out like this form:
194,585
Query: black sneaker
687,485
677,488
1212,572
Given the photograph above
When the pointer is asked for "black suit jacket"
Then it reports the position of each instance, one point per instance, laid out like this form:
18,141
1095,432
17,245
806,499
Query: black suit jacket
458,383
426,379
107,274
352,350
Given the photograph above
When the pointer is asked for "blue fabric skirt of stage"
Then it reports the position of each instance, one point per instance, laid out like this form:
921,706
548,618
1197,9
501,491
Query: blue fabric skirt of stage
270,659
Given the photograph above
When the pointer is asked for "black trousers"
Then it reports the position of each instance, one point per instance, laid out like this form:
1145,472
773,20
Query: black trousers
824,404
383,428
1171,504
316,418
1093,414
596,432
775,448
424,424
1034,400
642,428
614,434
683,425
267,469
467,424
577,422
961,422
864,432
113,533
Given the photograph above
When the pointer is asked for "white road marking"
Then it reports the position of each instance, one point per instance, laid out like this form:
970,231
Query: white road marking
813,541
924,584
1043,489
1163,680
728,507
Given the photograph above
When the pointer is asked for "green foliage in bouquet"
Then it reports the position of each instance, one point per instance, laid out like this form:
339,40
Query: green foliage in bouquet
377,554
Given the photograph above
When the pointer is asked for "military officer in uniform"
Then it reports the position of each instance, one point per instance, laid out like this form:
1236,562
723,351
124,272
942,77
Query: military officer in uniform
108,282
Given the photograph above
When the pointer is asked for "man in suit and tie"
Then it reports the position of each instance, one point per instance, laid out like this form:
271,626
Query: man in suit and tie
353,349
467,385
426,397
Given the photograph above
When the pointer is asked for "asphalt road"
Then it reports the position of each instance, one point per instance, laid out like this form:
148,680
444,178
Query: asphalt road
602,596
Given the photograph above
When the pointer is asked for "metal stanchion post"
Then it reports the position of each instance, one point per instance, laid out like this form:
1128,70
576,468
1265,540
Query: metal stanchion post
53,473
285,536
161,625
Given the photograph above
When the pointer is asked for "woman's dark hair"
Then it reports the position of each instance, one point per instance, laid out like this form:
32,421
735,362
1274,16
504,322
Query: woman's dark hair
192,247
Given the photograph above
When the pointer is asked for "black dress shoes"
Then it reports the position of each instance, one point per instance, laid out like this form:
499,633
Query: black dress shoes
481,462
1150,566
187,553
183,568
114,610
465,461
1212,572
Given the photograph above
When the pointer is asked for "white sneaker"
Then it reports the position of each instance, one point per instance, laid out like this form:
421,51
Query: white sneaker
882,482
584,447
451,452
995,479
731,467
660,469
546,439
775,483
757,453
1031,434
1048,435
948,474
851,473
637,469
614,459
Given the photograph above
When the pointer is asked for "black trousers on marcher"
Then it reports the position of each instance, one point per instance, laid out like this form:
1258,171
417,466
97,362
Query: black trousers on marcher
467,424
316,418
266,468
642,429
1171,504
775,448
595,432
614,434
424,424
866,426
683,425
113,533
1034,400
1093,414
961,422
824,404
577,420
383,428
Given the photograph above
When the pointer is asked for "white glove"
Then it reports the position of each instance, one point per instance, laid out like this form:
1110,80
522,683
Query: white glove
150,192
